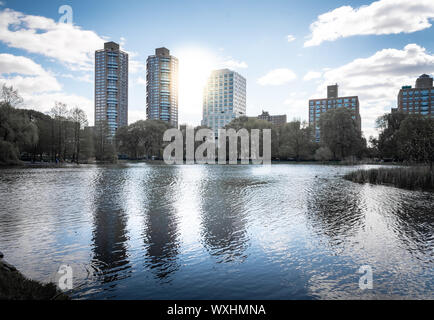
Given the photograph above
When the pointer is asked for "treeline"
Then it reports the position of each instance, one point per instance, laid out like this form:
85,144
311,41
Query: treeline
404,137
63,135
34,136
58,136
340,138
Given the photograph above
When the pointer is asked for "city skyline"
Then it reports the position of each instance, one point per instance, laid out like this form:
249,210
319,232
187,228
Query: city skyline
287,52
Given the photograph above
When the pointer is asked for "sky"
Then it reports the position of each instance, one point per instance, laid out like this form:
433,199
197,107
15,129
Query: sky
288,51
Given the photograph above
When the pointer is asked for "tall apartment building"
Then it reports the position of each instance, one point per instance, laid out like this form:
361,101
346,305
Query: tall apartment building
333,101
224,99
111,87
162,87
277,120
418,100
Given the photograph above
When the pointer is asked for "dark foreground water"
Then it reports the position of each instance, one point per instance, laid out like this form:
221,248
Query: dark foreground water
145,231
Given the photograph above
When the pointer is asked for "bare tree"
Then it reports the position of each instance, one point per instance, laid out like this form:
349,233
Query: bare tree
60,113
79,118
10,96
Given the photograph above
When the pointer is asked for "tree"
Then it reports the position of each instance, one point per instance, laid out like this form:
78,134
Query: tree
340,134
387,142
249,123
16,132
10,96
415,139
295,140
59,129
142,139
79,119
323,154
104,143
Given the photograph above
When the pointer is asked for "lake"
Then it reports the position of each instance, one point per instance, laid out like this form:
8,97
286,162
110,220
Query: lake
151,231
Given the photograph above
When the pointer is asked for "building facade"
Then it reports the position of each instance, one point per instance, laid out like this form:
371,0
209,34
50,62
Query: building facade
333,101
111,88
162,87
224,99
277,120
418,100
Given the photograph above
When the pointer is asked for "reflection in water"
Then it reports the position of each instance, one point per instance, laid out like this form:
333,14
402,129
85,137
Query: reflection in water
409,216
161,234
110,257
335,211
144,231
223,217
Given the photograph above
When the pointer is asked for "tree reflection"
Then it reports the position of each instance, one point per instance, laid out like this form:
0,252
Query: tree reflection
335,211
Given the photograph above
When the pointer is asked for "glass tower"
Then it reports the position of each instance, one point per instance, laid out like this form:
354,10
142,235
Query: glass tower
111,87
224,99
162,87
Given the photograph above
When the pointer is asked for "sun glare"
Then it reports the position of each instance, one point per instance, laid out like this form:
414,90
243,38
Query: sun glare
195,66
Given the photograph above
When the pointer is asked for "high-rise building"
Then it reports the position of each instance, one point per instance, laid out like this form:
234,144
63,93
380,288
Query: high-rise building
333,101
111,88
277,120
224,99
162,87
419,100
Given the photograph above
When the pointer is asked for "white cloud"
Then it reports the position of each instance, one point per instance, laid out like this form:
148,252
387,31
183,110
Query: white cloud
233,64
43,102
312,75
379,18
38,87
26,75
15,64
66,43
297,106
290,38
378,78
277,77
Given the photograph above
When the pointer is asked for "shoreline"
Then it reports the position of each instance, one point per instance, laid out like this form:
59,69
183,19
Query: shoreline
51,165
15,286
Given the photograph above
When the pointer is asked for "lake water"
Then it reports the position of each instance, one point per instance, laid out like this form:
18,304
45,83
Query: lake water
144,231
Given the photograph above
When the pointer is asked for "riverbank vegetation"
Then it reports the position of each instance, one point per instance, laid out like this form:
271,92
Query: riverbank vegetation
14,286
411,178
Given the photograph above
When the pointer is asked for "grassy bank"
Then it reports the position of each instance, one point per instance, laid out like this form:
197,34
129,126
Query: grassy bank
14,286
411,178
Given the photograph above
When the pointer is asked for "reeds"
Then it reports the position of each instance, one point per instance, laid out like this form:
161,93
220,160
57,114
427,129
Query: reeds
412,178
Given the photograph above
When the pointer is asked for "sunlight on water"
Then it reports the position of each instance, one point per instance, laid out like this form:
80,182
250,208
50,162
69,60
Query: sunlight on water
189,232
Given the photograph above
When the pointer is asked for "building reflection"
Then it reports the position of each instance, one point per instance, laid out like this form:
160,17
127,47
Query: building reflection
224,218
110,258
161,235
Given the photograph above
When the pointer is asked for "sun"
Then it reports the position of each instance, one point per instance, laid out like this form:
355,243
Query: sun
195,66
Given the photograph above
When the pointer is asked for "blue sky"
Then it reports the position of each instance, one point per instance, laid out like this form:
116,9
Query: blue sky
371,51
